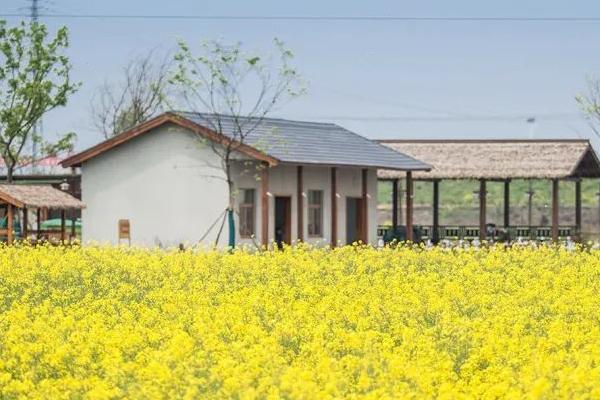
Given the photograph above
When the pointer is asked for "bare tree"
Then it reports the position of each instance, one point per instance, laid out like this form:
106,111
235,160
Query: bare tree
589,102
237,90
139,95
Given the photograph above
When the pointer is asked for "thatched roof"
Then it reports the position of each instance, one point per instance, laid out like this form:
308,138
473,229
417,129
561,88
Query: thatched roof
498,159
38,196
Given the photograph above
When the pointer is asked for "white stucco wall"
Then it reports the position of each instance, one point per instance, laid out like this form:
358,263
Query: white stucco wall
160,181
164,183
283,182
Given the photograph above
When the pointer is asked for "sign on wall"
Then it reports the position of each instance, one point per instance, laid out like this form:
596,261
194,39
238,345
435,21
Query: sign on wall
125,230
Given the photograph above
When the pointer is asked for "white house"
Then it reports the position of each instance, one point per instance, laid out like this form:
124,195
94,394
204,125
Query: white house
161,183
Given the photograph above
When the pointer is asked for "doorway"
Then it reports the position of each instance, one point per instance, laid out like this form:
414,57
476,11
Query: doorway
354,220
283,220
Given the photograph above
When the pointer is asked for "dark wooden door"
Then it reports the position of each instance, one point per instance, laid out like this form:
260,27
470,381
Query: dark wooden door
283,220
354,220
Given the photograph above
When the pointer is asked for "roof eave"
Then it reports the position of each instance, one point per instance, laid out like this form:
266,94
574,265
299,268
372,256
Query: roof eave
378,167
78,159
589,150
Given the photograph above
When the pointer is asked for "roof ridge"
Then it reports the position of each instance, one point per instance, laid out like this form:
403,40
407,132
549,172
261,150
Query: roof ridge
547,140
262,118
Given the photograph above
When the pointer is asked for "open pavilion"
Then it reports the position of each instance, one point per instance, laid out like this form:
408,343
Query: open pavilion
22,199
496,161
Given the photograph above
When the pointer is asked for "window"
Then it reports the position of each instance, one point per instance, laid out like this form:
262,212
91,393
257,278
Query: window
315,213
247,213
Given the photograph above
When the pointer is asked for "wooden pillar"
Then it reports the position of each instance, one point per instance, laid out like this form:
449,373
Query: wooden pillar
25,223
63,230
38,214
482,209
435,236
409,206
555,205
300,203
9,223
73,230
395,204
365,206
334,211
507,203
578,208
264,195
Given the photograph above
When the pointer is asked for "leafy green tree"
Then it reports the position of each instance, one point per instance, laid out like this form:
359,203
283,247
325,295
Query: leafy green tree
34,79
589,103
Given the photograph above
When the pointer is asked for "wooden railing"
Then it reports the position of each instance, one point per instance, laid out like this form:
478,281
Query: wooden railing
467,232
43,235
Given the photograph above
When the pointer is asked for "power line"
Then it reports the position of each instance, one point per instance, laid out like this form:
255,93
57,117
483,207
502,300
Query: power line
374,18
465,118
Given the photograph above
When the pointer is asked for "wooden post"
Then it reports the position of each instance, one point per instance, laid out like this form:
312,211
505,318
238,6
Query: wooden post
38,214
507,203
555,205
25,223
365,206
333,207
409,206
63,231
264,186
395,205
578,208
9,223
300,203
73,230
435,236
482,209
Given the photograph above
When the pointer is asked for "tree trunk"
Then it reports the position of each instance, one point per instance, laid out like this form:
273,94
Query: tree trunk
230,208
10,169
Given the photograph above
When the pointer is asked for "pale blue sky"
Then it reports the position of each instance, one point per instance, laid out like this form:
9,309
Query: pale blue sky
359,71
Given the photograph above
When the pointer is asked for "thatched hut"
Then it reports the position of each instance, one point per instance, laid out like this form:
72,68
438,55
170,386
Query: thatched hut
25,198
497,160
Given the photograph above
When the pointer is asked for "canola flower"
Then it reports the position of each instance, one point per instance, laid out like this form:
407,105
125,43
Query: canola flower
110,323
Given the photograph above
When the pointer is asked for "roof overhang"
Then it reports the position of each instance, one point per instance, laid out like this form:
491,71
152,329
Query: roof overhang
38,196
377,167
167,118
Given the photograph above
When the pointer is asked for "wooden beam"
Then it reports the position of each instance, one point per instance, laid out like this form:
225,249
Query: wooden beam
409,206
482,209
555,205
507,203
25,223
365,205
578,208
436,212
264,188
300,203
9,223
395,204
334,211
63,230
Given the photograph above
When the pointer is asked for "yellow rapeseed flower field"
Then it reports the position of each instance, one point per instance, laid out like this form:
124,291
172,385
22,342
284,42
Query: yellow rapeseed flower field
106,323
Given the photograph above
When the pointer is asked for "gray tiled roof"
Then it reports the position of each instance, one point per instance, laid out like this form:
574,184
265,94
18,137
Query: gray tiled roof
311,143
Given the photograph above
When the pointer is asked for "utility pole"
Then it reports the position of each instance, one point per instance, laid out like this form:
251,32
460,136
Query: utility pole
34,13
35,10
